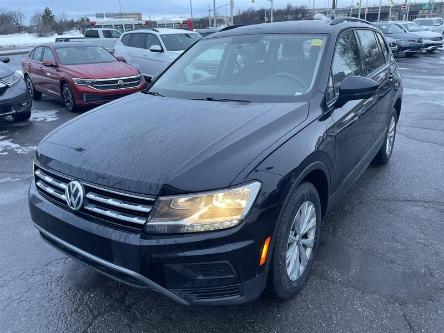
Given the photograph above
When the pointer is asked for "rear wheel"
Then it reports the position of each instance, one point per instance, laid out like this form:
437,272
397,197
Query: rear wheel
296,241
384,154
36,95
68,98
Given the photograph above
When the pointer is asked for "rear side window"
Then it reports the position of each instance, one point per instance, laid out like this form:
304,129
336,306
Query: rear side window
371,50
346,61
37,54
92,33
110,34
48,55
139,41
126,39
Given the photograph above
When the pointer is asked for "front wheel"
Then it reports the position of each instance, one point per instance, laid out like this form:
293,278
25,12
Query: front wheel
36,95
384,154
68,98
296,240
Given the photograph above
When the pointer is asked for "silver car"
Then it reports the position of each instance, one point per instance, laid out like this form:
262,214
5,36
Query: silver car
430,40
435,24
152,50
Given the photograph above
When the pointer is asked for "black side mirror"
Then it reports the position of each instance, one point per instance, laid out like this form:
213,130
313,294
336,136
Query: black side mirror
5,59
355,87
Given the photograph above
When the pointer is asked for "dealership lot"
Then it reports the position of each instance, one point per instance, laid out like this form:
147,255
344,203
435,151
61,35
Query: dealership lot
380,266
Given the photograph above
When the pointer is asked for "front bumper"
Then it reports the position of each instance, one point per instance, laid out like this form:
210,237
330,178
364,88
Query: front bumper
15,99
430,45
209,268
409,48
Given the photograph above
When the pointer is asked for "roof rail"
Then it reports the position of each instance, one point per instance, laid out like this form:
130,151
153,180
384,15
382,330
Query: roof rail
347,19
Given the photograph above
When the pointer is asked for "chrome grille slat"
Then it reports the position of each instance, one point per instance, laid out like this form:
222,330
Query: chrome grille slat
50,190
114,214
111,205
48,179
118,203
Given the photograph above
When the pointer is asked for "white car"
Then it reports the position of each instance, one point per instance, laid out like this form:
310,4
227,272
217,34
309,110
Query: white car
430,40
106,38
435,24
152,50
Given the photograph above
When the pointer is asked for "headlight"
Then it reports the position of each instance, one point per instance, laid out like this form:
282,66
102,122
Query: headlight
202,211
84,82
11,79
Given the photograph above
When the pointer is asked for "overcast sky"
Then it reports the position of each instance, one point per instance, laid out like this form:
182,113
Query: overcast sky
153,8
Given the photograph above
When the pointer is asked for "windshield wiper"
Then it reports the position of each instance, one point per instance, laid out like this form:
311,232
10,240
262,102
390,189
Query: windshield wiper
211,99
154,93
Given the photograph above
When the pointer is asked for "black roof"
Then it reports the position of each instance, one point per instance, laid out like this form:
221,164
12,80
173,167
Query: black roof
300,27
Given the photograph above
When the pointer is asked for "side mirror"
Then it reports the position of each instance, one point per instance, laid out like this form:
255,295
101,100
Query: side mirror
5,59
48,63
156,48
354,88
121,59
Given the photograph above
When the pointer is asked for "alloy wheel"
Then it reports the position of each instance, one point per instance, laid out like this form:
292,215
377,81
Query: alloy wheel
301,240
30,87
390,136
68,98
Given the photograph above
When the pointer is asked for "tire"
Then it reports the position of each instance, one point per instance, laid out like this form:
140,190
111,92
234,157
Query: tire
68,98
286,277
384,154
22,116
35,95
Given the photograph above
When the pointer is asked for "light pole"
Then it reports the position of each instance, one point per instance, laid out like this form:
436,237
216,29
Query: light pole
191,9
379,10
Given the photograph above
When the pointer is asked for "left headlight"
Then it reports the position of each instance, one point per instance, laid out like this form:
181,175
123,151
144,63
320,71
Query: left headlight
83,82
11,79
201,212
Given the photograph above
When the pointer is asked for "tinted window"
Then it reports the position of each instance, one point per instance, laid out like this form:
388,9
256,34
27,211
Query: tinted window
139,41
37,54
427,23
84,55
110,34
179,42
372,53
412,27
152,40
119,27
48,56
346,60
389,28
129,27
126,39
383,46
92,33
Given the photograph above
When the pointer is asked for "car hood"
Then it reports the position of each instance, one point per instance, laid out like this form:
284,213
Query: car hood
427,34
100,70
158,145
5,70
404,36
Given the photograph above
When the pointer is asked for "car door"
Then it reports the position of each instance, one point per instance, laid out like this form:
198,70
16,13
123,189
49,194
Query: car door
377,67
156,60
34,68
350,129
50,80
138,53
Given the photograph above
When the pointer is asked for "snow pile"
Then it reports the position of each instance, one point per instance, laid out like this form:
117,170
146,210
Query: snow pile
26,39
40,115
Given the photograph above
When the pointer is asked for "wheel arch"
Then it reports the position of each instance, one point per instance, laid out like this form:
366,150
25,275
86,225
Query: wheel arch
397,107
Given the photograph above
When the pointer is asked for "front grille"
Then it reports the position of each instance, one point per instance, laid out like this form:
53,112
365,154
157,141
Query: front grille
126,209
212,293
92,98
122,83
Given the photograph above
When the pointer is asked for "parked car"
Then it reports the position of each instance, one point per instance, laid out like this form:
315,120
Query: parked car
430,40
81,74
401,42
152,50
435,24
106,38
206,187
207,31
14,98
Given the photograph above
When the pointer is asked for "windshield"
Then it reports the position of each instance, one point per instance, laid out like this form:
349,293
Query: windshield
389,28
179,42
83,55
427,23
111,33
412,27
250,67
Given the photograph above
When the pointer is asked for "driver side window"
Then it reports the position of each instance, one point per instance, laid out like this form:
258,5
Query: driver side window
346,62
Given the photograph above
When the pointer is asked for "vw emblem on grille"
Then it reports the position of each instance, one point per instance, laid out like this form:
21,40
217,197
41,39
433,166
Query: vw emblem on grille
120,83
74,194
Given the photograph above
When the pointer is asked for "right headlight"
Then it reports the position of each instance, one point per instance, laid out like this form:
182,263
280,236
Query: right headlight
201,212
11,79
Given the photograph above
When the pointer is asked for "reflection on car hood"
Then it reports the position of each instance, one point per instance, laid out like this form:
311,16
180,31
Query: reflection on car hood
100,70
5,70
148,144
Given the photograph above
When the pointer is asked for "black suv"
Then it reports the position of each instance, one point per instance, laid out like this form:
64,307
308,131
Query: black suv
216,179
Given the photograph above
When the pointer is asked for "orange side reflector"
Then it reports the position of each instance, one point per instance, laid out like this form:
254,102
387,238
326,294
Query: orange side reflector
265,251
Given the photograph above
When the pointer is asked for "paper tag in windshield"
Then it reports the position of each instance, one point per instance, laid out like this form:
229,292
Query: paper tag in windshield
316,42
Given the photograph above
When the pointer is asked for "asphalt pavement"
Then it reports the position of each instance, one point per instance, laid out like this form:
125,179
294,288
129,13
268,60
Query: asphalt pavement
380,265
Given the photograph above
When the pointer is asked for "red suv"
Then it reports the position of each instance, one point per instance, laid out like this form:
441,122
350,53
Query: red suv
81,74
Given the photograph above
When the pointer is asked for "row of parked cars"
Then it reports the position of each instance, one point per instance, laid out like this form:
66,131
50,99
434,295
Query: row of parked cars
409,38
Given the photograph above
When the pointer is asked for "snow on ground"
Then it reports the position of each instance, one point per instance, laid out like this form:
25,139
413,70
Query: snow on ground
26,39
40,115
7,145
